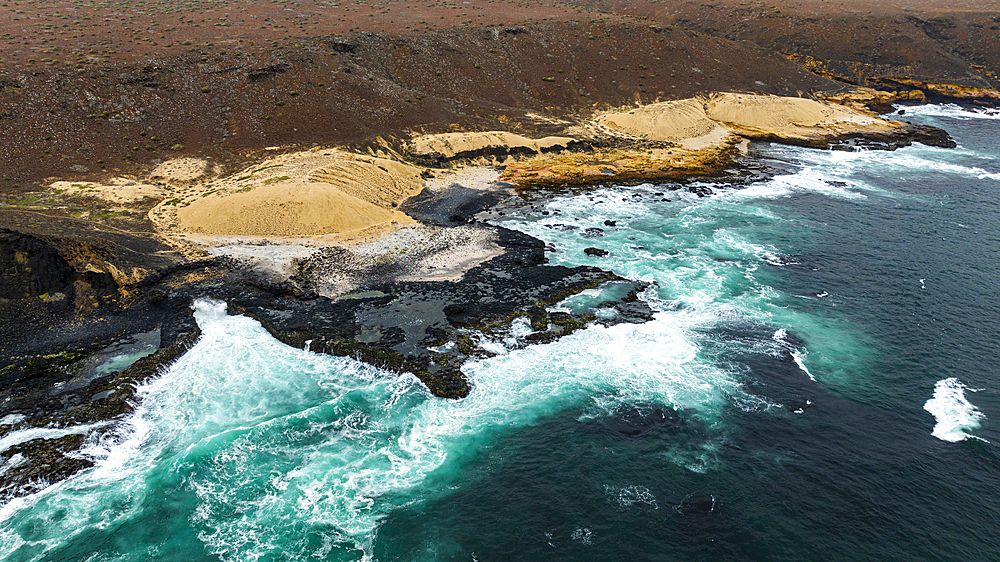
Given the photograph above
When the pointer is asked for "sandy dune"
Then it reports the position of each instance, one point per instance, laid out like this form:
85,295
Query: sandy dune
291,208
118,192
500,143
316,192
323,191
683,122
754,116
181,170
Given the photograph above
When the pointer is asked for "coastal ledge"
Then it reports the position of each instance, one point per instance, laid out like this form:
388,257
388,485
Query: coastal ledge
344,196
428,328
295,222
113,240
342,252
701,136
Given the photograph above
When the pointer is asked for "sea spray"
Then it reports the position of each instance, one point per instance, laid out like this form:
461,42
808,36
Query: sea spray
258,440
248,440
955,416
949,110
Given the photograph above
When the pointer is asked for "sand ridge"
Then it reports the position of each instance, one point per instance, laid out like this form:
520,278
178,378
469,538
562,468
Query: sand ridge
500,143
756,116
181,170
118,192
315,192
700,132
338,195
682,121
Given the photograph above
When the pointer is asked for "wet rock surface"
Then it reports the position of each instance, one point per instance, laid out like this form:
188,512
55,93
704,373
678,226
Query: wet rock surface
432,328
456,205
429,328
924,134
30,467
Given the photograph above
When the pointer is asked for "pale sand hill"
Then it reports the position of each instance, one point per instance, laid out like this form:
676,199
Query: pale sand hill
316,192
120,192
181,170
701,130
754,116
327,192
683,122
378,181
168,179
288,208
449,145
697,123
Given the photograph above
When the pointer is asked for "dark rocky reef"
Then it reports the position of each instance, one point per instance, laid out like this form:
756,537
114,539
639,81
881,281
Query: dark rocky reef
456,205
64,389
873,140
432,328
494,152
60,277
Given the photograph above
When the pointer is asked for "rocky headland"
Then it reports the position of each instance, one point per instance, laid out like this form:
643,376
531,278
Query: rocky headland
330,173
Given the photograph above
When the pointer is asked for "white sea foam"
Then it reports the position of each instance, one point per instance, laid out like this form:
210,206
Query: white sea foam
276,441
11,419
627,496
813,178
14,461
32,433
800,358
833,173
913,160
948,110
954,414
582,534
273,441
780,337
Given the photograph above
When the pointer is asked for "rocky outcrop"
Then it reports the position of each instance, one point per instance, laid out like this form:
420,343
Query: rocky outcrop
30,267
703,135
40,392
895,84
431,328
57,272
870,99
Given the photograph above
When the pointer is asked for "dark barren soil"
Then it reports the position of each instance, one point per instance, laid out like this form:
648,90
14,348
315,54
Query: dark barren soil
99,87
88,88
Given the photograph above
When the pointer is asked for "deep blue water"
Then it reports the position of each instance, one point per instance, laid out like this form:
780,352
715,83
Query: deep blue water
820,382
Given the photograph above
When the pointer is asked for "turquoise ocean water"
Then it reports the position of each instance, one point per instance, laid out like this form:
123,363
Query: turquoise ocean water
820,381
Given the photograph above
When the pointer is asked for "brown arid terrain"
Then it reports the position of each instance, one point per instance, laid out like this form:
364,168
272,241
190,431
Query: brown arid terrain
318,163
88,88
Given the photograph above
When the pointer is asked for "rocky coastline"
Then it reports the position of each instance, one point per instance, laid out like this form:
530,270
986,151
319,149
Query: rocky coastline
371,242
93,292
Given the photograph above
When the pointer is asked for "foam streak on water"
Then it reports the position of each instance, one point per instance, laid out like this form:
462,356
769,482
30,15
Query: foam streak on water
25,435
949,110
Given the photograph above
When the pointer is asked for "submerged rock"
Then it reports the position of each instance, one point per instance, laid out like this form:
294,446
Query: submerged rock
596,252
